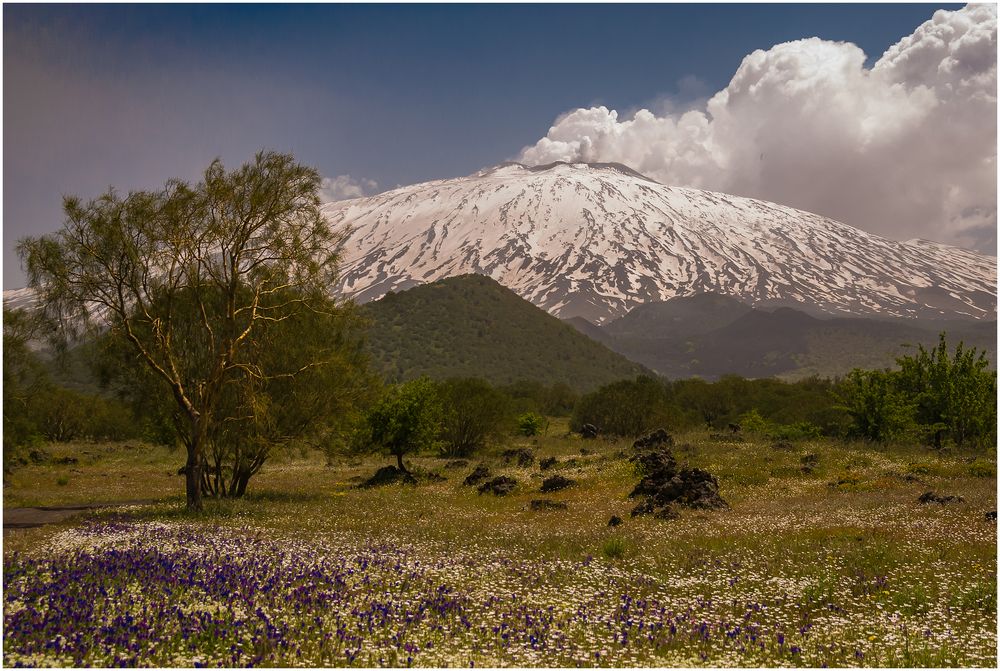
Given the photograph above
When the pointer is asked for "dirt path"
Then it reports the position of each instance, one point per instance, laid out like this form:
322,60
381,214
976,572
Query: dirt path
26,518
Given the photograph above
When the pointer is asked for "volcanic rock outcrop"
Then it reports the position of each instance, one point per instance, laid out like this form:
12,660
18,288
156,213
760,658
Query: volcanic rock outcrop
664,486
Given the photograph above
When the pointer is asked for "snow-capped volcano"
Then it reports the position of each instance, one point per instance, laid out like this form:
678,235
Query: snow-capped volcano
595,240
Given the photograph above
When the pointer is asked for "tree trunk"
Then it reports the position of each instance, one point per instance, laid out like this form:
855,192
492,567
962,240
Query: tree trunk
241,484
192,474
399,462
195,464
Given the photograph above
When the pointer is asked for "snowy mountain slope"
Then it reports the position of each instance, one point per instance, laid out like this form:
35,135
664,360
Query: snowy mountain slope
595,240
19,299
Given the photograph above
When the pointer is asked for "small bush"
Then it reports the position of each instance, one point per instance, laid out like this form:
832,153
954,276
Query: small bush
529,424
752,422
625,408
613,548
796,431
919,468
982,469
474,414
62,481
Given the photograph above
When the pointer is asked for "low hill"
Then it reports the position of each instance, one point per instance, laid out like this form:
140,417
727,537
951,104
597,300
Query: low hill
472,326
682,317
710,336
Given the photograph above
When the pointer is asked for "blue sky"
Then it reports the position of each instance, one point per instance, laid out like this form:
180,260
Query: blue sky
129,96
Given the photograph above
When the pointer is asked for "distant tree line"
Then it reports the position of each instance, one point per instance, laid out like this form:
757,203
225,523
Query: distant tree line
795,409
37,409
933,397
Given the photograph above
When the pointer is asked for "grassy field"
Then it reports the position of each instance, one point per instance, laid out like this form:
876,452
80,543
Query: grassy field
839,566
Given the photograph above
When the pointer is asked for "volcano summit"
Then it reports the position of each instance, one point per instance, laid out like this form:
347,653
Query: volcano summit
595,240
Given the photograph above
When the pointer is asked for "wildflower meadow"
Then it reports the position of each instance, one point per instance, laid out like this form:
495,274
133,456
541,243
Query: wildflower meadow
804,569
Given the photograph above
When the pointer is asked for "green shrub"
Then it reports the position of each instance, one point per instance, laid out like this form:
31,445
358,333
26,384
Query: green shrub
474,413
981,468
407,419
625,408
529,424
797,431
752,422
614,548
919,468
879,411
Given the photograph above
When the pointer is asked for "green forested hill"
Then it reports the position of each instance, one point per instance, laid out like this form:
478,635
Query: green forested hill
472,326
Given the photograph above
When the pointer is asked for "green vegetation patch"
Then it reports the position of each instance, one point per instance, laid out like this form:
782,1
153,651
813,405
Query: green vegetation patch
471,326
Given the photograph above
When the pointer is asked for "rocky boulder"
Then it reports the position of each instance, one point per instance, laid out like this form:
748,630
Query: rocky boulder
478,474
498,486
656,439
665,486
556,482
520,456
933,497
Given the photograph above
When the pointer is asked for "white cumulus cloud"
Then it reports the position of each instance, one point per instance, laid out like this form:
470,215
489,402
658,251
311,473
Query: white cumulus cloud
906,148
344,187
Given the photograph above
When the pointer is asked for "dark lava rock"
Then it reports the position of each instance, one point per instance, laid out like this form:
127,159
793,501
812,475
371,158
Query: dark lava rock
520,456
478,474
649,507
555,483
656,466
932,497
388,475
691,487
589,431
991,516
548,504
666,486
66,461
38,456
499,486
658,438
547,463
584,451
614,521
457,463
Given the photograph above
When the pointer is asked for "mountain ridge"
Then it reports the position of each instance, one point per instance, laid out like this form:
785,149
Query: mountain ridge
596,240
711,336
